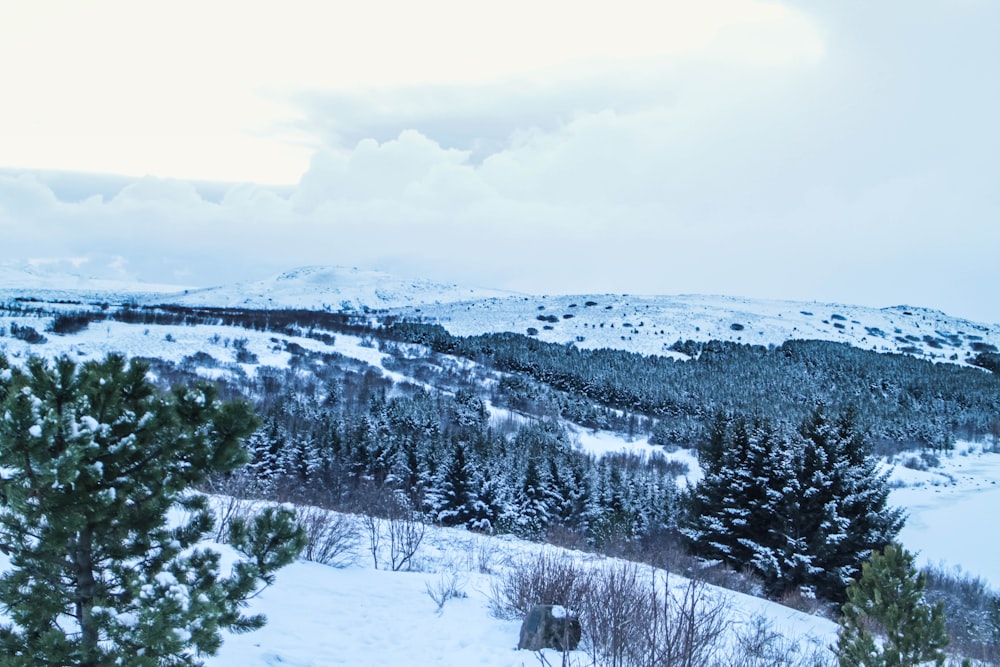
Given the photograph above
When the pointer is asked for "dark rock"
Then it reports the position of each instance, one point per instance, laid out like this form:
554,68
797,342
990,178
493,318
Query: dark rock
549,626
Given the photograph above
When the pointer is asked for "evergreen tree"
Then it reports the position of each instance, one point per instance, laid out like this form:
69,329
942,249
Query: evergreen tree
93,461
843,515
458,493
732,512
534,509
888,600
803,510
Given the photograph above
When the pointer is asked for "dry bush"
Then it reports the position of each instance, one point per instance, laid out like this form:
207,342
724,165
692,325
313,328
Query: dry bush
332,537
972,612
758,645
232,498
629,615
449,586
611,613
632,618
686,626
394,524
406,533
487,555
805,600
547,578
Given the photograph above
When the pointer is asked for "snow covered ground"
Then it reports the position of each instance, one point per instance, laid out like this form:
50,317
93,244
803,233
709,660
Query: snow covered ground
643,324
320,615
952,517
358,615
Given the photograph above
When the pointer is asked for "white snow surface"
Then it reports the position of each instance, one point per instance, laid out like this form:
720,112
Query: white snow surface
319,615
952,517
20,278
652,324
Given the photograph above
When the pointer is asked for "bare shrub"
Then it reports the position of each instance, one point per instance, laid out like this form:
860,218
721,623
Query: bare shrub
806,601
721,575
633,618
449,586
332,536
629,615
406,533
686,626
373,528
972,612
394,524
547,578
487,554
231,499
566,538
612,615
758,645
475,554
664,549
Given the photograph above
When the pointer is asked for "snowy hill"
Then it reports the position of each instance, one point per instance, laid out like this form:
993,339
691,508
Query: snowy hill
643,324
358,615
321,615
331,288
652,324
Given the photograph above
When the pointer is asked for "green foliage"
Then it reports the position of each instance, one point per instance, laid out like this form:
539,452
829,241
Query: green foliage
94,460
887,602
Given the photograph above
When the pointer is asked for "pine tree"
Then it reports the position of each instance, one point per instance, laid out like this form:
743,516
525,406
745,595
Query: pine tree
888,600
803,510
733,512
534,509
459,491
93,461
844,515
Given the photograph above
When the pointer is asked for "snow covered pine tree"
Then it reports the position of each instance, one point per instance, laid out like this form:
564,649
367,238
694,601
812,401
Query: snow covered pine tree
802,509
95,472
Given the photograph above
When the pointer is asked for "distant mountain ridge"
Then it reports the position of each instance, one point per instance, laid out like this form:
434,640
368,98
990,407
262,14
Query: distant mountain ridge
333,288
643,324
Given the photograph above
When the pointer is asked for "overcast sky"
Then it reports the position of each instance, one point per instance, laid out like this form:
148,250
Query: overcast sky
842,151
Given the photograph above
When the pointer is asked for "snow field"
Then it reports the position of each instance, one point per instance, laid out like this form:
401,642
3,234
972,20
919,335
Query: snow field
320,615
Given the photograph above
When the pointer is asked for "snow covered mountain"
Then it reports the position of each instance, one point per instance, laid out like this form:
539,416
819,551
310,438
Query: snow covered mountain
22,279
331,288
644,324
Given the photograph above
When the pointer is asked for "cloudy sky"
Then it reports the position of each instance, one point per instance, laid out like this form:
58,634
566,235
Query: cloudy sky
841,151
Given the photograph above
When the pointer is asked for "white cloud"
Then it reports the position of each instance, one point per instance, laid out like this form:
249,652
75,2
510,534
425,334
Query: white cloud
201,90
837,163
